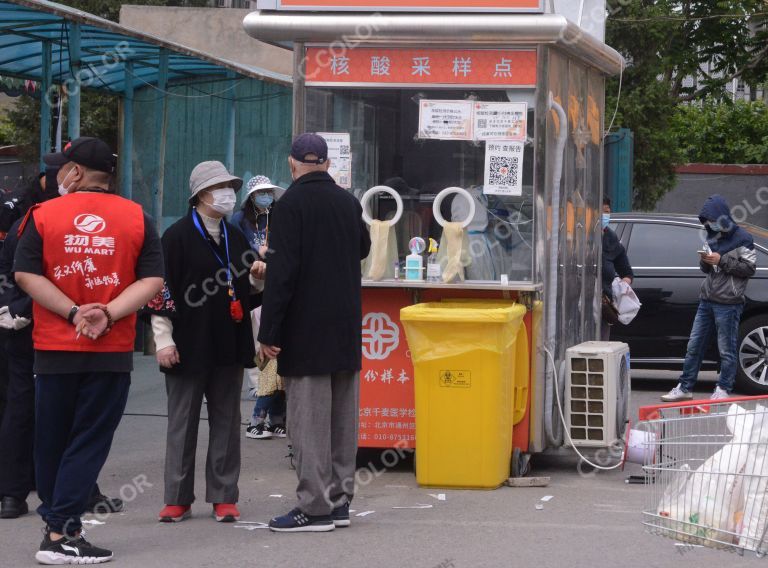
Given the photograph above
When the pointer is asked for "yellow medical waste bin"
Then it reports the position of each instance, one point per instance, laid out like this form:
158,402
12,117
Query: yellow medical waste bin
464,358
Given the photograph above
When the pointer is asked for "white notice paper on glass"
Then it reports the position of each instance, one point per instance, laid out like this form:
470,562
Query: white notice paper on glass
340,156
500,121
503,168
445,120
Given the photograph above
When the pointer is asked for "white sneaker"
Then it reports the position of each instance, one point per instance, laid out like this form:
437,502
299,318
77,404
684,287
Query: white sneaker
719,394
677,394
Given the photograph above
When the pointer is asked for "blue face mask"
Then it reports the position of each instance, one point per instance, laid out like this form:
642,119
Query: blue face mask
605,219
263,200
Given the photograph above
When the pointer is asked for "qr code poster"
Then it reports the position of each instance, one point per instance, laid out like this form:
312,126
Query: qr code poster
503,168
340,155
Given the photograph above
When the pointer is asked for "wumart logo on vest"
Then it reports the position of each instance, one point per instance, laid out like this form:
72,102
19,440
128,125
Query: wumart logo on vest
90,224
91,242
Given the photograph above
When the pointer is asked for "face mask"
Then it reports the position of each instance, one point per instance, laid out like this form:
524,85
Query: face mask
605,219
263,200
224,200
63,190
716,227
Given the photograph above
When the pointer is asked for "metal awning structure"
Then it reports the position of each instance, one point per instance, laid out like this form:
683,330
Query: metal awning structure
55,45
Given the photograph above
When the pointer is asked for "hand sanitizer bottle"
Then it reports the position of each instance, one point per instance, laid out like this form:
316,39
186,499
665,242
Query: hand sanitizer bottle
434,272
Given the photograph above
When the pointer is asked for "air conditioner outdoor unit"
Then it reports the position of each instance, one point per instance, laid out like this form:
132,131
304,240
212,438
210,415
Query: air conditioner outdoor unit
597,391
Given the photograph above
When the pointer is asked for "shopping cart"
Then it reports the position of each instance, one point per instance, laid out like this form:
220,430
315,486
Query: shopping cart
706,470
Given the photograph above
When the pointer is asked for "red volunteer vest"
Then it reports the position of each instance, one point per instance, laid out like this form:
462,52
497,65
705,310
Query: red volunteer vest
91,242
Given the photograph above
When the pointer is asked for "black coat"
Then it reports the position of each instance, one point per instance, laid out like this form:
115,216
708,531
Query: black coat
312,302
615,261
204,333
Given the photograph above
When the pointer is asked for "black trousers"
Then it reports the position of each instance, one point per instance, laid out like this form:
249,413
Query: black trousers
17,429
77,415
3,373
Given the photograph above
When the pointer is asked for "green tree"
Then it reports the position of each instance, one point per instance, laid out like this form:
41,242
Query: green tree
722,133
665,42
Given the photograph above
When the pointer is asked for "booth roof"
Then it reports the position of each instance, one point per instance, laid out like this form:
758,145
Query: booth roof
26,24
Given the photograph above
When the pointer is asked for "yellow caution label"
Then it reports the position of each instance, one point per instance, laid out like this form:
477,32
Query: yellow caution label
456,379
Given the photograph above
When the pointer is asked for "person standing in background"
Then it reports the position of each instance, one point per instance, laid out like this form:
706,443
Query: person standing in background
268,417
615,265
728,260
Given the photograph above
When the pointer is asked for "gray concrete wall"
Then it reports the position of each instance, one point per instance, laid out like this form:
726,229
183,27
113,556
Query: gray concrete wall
217,31
747,194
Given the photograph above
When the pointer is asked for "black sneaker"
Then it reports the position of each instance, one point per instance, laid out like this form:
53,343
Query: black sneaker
101,504
70,551
12,508
297,521
258,432
278,430
340,516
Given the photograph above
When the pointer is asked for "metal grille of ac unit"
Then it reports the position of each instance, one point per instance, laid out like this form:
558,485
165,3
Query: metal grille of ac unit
597,392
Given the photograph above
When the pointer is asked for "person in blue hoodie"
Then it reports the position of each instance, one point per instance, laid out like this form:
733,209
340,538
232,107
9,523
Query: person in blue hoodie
729,261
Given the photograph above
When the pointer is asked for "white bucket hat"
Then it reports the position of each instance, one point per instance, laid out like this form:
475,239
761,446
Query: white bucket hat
260,183
210,173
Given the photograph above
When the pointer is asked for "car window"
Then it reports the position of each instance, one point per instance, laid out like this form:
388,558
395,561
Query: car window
670,246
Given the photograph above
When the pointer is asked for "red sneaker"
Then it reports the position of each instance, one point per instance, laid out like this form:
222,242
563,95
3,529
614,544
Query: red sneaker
226,512
174,513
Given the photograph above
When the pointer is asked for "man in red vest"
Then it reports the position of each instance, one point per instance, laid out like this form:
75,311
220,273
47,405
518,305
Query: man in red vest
89,260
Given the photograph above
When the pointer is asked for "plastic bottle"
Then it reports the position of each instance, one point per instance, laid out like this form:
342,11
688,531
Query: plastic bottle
434,272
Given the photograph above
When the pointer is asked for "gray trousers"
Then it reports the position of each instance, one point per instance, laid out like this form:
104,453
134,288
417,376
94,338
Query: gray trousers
322,424
221,387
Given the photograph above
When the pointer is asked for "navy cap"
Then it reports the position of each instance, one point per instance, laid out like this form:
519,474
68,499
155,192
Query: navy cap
309,143
86,151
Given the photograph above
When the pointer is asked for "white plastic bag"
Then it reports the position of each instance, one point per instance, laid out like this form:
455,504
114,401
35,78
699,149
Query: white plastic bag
755,485
707,503
625,300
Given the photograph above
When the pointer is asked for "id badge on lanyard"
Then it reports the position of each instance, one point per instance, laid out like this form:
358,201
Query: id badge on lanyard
235,306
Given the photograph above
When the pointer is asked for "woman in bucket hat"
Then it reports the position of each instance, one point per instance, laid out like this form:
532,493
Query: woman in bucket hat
204,340
268,419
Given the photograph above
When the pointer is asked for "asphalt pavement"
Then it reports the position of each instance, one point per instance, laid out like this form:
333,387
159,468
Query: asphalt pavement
590,520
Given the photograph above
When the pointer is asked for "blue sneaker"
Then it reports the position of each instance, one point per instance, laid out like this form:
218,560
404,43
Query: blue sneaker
340,516
298,521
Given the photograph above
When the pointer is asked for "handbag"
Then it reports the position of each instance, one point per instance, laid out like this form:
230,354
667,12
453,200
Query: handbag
610,313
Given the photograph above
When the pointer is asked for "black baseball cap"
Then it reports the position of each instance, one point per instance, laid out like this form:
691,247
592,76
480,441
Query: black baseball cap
309,143
86,151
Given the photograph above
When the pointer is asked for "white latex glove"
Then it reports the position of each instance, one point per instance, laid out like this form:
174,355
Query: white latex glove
20,323
6,319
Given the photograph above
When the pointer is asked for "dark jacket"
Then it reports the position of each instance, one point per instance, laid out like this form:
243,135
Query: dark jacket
615,261
726,282
256,236
18,302
312,306
203,330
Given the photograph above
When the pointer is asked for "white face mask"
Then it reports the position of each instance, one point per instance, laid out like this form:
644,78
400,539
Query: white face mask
224,200
63,190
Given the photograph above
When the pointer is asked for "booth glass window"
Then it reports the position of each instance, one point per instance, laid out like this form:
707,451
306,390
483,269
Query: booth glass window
385,149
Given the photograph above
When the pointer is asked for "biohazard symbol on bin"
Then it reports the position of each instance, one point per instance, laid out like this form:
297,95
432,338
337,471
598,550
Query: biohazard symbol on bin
456,379
381,336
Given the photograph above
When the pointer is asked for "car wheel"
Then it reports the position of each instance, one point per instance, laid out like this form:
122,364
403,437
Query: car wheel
752,375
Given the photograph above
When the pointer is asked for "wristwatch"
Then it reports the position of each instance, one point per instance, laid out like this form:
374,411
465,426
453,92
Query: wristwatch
72,313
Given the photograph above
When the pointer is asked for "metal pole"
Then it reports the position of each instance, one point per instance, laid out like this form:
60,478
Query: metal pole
45,103
231,126
73,93
299,93
160,128
126,152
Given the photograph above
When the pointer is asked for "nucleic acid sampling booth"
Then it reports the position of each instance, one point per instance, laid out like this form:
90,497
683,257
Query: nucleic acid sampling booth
473,137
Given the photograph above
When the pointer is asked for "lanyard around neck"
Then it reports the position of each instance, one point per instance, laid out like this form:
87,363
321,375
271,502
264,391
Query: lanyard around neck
199,225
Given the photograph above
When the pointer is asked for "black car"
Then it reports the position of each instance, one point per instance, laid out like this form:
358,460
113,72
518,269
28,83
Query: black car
663,249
